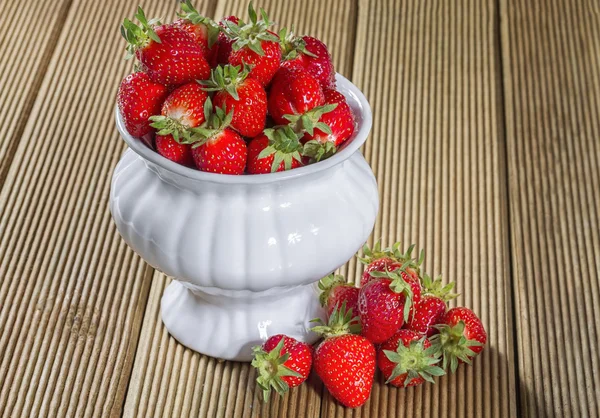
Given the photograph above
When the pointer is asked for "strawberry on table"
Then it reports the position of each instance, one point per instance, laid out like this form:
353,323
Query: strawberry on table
138,99
430,309
182,110
215,147
389,259
168,54
461,337
203,30
407,359
344,361
276,149
323,143
384,305
224,42
309,53
335,291
243,96
282,362
254,45
294,92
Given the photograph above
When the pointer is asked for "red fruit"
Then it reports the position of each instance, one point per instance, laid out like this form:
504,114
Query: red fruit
216,148
182,110
255,46
277,149
169,148
384,306
407,359
335,291
345,362
461,337
224,42
138,99
381,264
390,256
243,96
293,92
430,310
167,53
309,53
202,29
282,363
384,265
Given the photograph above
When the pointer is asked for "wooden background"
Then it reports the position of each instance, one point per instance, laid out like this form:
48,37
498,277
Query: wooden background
486,146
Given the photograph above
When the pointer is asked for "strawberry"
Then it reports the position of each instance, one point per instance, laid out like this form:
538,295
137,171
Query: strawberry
255,45
282,363
183,109
216,148
138,99
430,309
345,362
335,291
167,53
277,149
389,259
340,126
243,96
384,305
461,337
201,29
309,53
407,359
224,42
294,92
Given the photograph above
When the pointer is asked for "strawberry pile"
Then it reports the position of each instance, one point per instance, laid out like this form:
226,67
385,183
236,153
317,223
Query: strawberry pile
397,320
232,97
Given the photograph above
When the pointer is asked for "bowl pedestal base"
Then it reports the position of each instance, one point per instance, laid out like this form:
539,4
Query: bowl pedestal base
227,324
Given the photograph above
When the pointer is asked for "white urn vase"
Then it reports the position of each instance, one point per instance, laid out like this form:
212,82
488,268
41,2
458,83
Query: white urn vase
245,251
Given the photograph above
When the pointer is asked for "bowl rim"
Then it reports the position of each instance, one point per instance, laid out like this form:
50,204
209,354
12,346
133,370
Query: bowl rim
349,90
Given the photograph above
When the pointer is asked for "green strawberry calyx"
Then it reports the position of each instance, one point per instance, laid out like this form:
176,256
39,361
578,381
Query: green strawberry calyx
327,283
138,37
319,151
309,121
398,285
284,146
169,126
393,253
226,78
415,361
216,121
192,15
453,345
292,45
341,322
271,369
251,35
435,287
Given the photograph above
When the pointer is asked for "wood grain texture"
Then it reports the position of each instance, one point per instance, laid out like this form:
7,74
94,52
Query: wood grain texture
23,63
551,67
72,294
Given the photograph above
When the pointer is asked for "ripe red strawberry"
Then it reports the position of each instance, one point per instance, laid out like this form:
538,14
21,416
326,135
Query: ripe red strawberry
323,143
293,92
430,309
461,337
407,359
309,53
224,42
282,363
277,149
255,46
243,96
384,305
389,259
138,99
202,29
335,291
183,109
167,53
216,148
345,362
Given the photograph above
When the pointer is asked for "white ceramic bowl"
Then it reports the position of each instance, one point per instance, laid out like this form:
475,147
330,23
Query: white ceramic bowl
245,250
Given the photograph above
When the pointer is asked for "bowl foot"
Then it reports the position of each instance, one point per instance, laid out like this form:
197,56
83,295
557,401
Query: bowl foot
228,324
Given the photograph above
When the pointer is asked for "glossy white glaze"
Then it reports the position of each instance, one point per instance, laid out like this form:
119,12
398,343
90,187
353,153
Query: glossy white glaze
256,242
